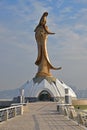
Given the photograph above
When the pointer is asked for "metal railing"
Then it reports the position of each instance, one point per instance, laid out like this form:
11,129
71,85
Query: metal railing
10,112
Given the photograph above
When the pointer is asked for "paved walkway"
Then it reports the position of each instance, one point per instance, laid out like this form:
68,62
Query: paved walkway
40,116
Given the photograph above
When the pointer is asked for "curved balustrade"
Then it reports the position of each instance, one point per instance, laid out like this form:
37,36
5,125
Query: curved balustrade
77,115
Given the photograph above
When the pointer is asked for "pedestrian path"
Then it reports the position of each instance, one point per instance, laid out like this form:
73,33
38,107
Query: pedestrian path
40,116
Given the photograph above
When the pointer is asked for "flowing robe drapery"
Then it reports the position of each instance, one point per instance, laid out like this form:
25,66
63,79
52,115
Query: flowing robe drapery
42,61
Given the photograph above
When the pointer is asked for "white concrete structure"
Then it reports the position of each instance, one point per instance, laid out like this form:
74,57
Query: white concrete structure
45,90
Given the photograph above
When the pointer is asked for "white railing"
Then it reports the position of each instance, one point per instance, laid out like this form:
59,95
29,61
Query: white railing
82,117
75,114
10,112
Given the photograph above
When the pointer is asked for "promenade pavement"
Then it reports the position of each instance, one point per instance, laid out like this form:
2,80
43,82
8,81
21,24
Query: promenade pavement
40,116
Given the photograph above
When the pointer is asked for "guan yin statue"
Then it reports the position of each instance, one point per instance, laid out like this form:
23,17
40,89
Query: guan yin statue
41,35
44,86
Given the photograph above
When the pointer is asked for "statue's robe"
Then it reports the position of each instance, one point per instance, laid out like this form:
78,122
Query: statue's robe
42,61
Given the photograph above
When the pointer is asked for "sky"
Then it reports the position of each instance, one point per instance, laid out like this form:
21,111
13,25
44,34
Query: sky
67,48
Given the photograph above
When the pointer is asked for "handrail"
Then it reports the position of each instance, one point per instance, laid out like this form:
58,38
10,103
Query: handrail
10,112
80,116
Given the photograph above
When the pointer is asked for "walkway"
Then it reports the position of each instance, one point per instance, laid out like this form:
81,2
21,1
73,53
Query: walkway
40,116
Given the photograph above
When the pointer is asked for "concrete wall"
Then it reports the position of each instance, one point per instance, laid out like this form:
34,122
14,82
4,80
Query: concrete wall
79,102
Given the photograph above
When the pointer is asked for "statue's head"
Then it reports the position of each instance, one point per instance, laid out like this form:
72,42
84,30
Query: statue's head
45,14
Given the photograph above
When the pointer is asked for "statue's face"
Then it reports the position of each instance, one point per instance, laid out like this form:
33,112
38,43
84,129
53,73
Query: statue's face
46,14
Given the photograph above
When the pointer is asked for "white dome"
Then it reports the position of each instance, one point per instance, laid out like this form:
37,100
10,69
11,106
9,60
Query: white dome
55,89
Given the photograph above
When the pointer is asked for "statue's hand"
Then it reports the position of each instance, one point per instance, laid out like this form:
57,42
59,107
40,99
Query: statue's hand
59,68
47,30
51,33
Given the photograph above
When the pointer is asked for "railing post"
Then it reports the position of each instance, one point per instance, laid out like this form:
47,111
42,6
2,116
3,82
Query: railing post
14,111
6,115
21,109
68,98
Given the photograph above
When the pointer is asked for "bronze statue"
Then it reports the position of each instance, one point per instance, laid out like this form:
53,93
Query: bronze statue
41,35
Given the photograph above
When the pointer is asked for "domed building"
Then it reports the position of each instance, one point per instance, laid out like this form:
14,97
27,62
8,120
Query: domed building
45,90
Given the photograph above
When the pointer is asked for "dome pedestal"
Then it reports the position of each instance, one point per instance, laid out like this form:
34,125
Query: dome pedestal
46,89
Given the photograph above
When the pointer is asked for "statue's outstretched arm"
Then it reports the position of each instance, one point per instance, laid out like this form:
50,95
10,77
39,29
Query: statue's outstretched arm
47,30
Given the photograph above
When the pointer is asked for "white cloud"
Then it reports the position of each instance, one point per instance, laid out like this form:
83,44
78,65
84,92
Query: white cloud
58,3
66,10
19,39
72,39
80,1
80,16
29,11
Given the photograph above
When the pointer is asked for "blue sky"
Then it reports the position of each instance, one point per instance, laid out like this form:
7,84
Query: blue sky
67,48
